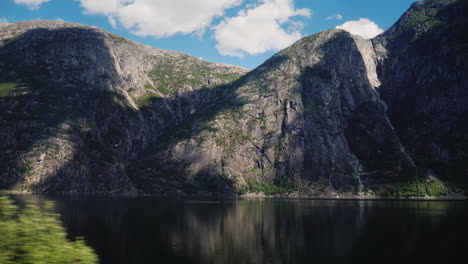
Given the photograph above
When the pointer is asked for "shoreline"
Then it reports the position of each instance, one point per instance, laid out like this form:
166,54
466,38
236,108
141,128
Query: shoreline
247,196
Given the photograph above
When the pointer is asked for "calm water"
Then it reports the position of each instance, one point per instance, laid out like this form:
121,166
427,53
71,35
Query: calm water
152,230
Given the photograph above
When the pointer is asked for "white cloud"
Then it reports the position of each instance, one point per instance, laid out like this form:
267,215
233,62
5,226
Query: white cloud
160,18
335,16
3,20
260,28
102,7
362,27
112,21
31,4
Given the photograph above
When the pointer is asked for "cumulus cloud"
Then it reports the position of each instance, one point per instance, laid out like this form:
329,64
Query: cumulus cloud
335,16
102,7
160,18
31,4
362,27
260,28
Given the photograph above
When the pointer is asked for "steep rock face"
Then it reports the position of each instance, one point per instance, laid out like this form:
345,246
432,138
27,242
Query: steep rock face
77,103
310,114
425,79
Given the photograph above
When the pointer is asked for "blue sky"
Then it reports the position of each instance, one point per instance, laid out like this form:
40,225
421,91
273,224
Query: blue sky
239,32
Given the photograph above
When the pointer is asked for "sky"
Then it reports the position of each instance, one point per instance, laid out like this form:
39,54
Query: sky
238,32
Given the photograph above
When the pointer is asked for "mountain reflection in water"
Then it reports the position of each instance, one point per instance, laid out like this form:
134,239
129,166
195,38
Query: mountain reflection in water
152,230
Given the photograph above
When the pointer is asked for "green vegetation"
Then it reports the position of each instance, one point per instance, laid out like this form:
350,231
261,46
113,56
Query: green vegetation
35,235
269,134
203,121
230,77
230,140
171,76
312,38
11,89
291,52
263,90
239,136
116,37
161,89
414,189
207,126
175,73
168,79
25,167
418,17
280,185
231,113
145,100
427,17
119,100
44,98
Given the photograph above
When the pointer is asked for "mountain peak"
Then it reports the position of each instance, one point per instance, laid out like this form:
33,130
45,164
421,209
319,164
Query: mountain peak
421,16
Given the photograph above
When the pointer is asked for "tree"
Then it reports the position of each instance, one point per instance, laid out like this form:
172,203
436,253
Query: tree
36,235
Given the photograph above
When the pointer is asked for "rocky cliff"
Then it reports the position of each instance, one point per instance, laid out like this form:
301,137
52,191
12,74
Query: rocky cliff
310,115
86,111
78,103
424,78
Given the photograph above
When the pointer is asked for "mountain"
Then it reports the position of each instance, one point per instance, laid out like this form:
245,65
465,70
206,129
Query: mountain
86,111
310,114
424,83
78,103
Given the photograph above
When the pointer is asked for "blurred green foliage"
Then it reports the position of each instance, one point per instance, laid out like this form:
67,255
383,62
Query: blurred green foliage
36,235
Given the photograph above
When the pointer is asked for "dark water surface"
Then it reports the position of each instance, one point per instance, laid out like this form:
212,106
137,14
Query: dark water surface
154,230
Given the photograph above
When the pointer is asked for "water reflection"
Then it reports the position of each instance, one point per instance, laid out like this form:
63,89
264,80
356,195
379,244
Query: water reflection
270,231
150,230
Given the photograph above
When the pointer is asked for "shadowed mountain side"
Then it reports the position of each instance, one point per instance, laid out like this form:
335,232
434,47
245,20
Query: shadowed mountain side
349,139
425,81
50,129
284,123
153,173
69,115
